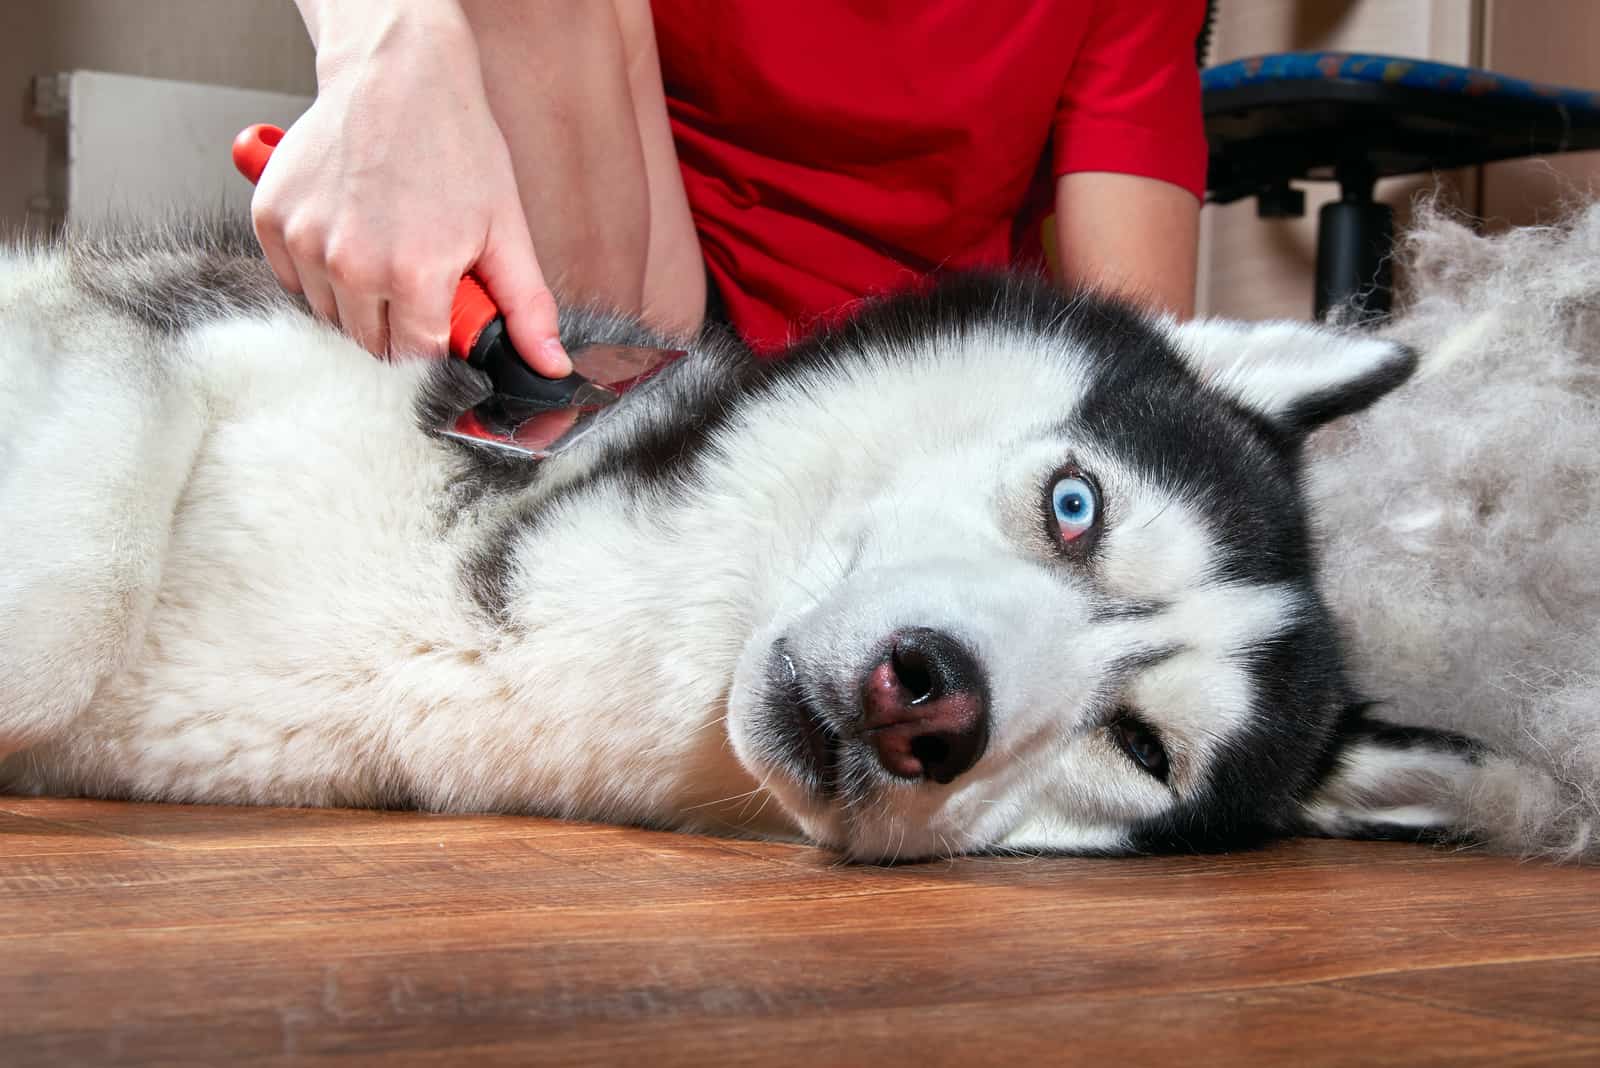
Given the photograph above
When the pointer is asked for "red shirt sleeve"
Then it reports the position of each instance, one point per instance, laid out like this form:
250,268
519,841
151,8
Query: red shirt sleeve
1131,101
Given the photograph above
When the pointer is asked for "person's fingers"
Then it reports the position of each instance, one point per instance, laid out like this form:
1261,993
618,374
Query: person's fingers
307,249
510,272
268,226
419,314
318,293
360,287
366,319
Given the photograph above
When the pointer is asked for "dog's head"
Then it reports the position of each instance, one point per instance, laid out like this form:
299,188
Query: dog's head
1041,577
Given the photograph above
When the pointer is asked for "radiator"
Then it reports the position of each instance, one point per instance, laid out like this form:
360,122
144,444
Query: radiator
134,150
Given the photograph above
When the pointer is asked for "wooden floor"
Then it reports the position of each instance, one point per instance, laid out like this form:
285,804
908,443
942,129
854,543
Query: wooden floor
153,934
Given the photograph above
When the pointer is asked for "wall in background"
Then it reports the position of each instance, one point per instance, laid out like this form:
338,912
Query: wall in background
1548,41
254,44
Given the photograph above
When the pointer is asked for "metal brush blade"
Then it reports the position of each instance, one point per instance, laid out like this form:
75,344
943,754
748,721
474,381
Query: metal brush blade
536,431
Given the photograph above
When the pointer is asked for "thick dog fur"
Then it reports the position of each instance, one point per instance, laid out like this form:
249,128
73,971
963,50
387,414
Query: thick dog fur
1460,519
235,568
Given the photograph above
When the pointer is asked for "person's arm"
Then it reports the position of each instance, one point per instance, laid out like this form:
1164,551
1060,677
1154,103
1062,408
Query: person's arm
674,283
1129,153
1135,236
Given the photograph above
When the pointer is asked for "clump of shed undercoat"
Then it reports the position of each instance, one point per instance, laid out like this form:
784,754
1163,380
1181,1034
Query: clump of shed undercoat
1461,523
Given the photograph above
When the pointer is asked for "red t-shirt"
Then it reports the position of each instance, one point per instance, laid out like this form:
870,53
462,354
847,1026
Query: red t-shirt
834,149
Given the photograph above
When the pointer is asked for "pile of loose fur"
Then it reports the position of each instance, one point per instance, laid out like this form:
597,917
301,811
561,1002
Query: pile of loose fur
1459,519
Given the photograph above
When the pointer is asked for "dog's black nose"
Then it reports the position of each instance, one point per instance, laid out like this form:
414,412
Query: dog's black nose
925,707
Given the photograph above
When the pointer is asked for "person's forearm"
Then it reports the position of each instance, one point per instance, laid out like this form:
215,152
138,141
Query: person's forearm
342,31
311,14
1132,236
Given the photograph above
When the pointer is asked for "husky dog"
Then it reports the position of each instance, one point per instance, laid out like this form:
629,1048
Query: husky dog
987,567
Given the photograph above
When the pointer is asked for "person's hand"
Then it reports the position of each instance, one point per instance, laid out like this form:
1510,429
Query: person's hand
396,182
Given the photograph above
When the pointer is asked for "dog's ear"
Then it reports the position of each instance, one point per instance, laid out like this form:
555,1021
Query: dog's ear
1295,375
1387,781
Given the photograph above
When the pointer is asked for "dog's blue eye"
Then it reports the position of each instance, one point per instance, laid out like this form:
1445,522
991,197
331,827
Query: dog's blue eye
1076,505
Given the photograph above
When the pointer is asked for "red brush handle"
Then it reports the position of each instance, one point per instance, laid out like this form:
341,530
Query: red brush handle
470,311
253,147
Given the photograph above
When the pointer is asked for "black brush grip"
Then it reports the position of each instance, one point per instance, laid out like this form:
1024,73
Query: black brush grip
513,380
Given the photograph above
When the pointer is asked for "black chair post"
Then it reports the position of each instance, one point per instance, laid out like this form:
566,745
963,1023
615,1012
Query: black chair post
1355,235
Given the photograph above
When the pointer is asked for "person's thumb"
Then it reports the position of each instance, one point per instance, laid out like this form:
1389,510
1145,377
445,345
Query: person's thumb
510,273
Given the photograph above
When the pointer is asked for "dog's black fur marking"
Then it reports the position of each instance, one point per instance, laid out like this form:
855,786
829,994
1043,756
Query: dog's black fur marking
1361,727
1311,412
1127,610
180,275
1299,689
1357,724
670,422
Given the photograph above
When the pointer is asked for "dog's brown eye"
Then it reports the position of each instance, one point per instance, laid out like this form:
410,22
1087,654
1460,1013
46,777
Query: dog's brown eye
1141,744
